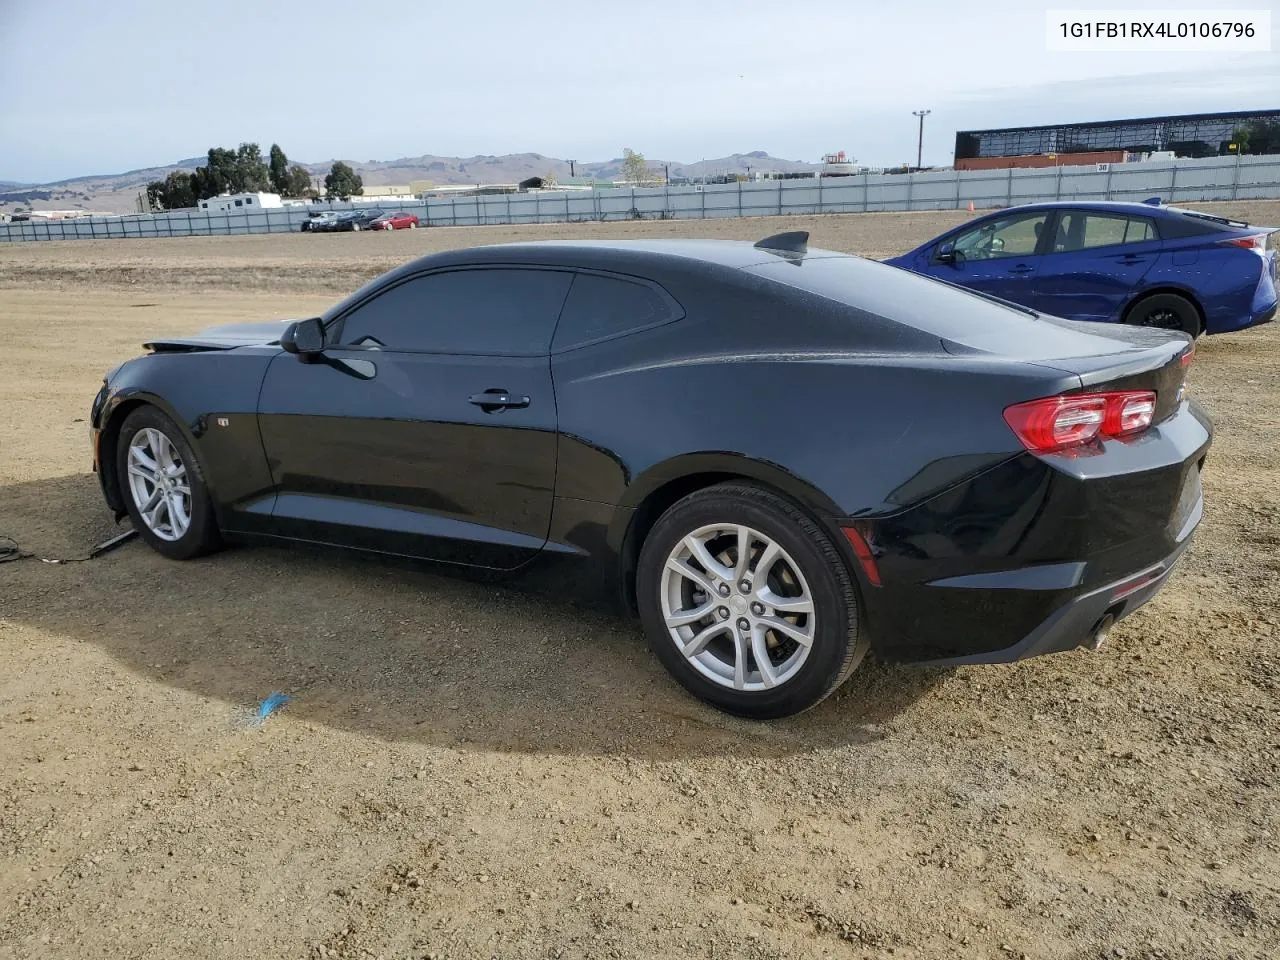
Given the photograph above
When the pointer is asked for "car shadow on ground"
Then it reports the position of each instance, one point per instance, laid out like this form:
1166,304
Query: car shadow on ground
539,663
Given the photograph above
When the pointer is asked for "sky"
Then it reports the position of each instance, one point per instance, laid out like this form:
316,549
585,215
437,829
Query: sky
95,87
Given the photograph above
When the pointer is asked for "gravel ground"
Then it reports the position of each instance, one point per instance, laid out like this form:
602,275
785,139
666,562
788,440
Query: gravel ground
503,770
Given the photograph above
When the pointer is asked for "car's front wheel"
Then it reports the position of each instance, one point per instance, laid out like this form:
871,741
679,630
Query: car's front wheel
747,603
165,492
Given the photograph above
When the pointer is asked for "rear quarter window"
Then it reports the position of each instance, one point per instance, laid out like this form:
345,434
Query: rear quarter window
600,308
1177,226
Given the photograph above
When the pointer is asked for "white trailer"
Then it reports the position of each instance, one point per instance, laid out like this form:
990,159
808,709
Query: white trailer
241,201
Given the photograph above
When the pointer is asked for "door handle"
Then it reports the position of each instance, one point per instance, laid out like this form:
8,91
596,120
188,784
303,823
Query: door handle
495,399
1132,258
1021,268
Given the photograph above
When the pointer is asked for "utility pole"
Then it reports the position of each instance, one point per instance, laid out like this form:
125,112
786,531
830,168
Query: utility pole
920,140
571,168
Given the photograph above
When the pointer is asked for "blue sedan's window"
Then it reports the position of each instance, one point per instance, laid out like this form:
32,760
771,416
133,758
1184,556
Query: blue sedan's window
1079,230
1012,236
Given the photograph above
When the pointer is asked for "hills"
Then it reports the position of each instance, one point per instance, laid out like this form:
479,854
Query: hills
117,192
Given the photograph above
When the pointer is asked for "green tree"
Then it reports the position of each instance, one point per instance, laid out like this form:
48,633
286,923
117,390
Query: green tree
343,182
174,192
231,171
251,173
634,168
207,182
298,183
1258,136
219,175
279,171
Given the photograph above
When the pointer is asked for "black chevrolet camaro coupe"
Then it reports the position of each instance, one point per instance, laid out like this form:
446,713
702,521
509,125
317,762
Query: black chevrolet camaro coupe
778,456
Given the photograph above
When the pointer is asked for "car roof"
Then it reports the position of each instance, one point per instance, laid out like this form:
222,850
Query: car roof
607,254
1131,207
616,254
650,259
1111,206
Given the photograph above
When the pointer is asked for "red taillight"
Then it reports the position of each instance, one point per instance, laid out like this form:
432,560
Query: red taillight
1059,423
1055,423
1128,413
1257,241
1186,358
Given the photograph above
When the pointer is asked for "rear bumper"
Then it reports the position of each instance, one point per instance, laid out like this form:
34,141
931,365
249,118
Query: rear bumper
1076,622
1265,315
1027,557
1253,305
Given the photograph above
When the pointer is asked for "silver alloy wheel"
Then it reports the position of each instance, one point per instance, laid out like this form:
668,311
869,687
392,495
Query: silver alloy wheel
737,607
159,485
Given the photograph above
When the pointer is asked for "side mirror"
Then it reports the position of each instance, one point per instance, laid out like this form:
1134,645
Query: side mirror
303,337
946,253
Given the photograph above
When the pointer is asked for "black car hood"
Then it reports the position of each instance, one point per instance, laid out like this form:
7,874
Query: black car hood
226,337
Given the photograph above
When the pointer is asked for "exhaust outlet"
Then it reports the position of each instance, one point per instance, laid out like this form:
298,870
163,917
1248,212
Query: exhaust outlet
1100,632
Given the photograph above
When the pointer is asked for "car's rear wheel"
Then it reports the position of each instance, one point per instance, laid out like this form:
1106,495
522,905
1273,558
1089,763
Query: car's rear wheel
355,226
165,492
747,603
1166,311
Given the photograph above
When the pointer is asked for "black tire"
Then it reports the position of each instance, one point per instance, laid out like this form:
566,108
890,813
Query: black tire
837,645
201,535
1166,311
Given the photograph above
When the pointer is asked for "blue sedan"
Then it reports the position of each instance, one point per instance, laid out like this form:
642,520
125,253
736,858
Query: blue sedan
1139,263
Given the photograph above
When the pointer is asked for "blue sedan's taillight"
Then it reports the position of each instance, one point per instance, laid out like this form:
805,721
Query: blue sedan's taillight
1256,242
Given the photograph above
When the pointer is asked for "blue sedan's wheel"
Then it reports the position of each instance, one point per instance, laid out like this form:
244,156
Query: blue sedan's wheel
1166,311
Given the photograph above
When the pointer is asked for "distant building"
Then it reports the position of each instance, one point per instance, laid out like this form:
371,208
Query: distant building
586,183
1114,141
53,215
1088,158
241,201
839,165
386,190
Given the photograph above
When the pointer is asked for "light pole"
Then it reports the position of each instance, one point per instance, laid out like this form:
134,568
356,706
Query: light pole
920,140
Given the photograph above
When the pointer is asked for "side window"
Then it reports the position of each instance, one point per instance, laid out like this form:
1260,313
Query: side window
1012,236
1140,230
600,307
494,311
1082,231
239,203
248,201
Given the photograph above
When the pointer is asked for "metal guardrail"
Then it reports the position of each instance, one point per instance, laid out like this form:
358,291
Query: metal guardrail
1176,181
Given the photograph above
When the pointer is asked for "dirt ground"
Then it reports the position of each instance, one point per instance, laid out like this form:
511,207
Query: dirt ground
503,770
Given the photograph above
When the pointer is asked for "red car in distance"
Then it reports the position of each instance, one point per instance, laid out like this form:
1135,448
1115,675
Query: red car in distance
395,221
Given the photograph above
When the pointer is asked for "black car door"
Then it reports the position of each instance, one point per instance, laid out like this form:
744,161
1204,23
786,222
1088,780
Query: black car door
429,428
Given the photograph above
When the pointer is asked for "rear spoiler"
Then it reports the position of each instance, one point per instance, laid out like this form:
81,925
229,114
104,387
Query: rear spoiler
1225,221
